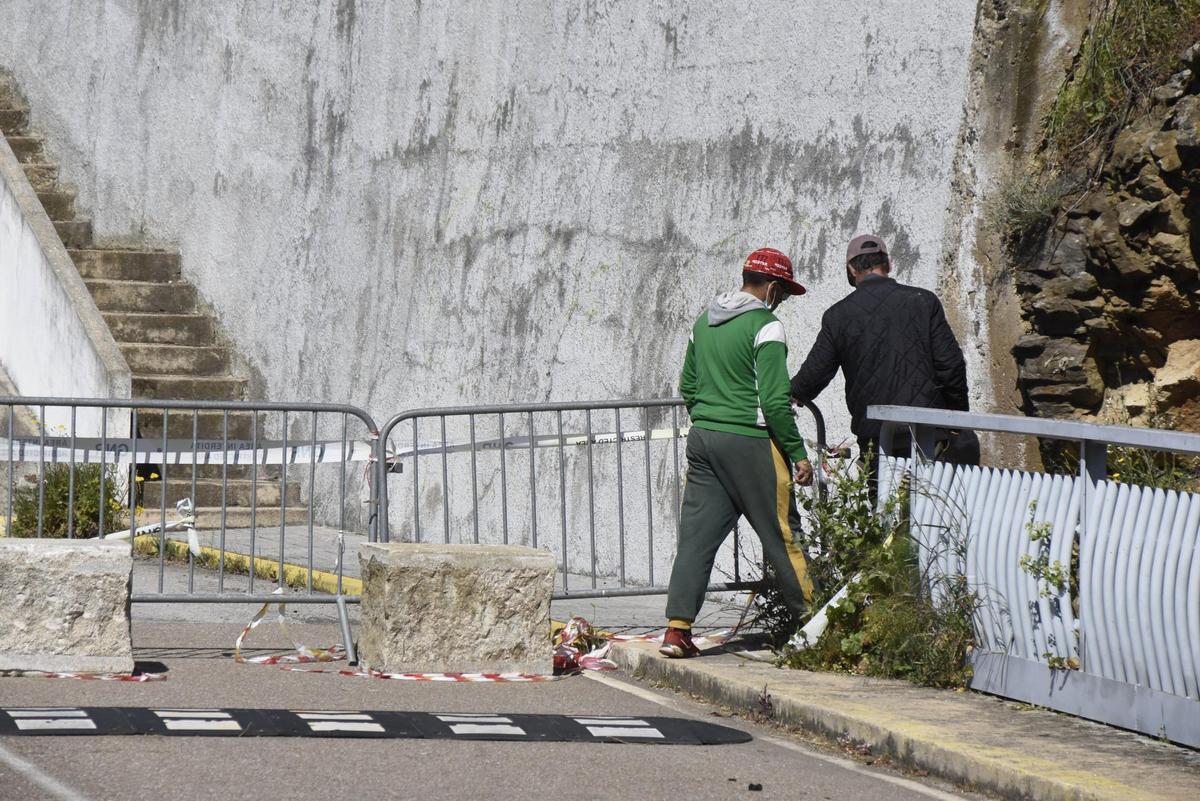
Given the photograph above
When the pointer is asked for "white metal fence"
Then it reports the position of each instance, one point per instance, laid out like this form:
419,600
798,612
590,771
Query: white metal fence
1089,588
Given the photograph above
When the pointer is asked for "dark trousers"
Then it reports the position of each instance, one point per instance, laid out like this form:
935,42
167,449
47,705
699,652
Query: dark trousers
731,476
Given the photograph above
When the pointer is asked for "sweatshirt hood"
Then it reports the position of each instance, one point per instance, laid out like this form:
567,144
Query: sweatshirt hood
728,305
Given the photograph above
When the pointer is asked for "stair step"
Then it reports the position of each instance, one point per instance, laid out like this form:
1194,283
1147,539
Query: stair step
175,359
59,205
28,147
42,176
127,265
166,329
13,121
208,424
143,296
74,233
209,518
187,387
9,96
238,491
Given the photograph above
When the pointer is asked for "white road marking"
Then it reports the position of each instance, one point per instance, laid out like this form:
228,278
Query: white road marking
610,722
46,713
39,777
333,716
480,724
203,725
53,724
475,728
344,725
207,714
624,731
846,764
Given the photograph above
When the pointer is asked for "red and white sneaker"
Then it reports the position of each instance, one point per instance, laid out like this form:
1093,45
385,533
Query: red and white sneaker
677,644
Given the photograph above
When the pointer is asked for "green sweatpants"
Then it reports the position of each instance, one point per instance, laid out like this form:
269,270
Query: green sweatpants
732,475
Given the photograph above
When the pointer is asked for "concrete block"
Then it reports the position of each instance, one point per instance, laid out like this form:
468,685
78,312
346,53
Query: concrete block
455,608
65,606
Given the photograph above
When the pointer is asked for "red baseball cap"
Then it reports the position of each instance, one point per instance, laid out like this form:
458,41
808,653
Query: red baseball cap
769,261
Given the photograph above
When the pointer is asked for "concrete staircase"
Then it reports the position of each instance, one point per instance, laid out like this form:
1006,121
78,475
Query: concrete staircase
174,349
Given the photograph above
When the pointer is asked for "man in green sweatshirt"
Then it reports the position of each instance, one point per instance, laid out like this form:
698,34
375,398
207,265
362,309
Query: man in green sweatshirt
744,450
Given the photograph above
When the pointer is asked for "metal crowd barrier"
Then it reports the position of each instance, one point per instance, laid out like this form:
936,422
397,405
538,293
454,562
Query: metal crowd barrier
240,488
598,483
1104,619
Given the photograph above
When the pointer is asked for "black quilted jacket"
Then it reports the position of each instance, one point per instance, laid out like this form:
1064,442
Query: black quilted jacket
894,346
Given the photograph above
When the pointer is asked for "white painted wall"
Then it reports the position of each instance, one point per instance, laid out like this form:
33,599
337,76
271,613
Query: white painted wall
410,203
53,341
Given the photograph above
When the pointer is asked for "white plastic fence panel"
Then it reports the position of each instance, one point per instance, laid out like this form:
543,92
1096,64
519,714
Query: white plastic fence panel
982,523
1140,574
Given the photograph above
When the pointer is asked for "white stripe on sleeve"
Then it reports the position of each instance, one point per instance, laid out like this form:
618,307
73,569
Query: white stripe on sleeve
771,332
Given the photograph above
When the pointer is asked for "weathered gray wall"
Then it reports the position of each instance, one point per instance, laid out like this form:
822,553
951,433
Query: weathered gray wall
407,203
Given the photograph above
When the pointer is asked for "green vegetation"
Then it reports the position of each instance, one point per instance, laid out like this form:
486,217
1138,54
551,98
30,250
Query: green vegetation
894,622
56,503
1130,47
1023,207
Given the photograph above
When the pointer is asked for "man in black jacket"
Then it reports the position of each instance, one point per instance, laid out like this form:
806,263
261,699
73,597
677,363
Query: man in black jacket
893,344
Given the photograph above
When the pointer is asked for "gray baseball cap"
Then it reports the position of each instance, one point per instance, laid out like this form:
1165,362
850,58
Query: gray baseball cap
865,243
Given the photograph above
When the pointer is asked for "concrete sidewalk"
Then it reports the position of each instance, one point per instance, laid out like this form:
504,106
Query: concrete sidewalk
974,740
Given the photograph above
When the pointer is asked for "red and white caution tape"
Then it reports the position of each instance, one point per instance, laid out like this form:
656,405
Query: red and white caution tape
42,674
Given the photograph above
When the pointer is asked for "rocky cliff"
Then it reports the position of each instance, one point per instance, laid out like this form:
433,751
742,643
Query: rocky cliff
1112,298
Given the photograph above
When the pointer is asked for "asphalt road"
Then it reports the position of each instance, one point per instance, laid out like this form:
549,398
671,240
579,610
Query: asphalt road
202,674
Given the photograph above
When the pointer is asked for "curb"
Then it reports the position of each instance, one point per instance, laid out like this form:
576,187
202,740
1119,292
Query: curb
295,576
910,742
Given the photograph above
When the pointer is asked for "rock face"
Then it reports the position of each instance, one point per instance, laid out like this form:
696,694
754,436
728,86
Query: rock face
1113,297
455,608
65,606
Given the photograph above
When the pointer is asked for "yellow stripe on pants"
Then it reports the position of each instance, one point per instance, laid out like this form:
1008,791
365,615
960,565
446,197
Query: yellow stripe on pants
783,505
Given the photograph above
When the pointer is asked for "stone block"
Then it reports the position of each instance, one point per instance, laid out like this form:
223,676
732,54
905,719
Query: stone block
455,608
65,606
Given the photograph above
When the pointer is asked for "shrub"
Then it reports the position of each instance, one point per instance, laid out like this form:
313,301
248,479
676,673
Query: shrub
1130,47
1022,208
894,621
56,506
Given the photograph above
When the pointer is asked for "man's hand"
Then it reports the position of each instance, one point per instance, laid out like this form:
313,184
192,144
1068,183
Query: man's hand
804,472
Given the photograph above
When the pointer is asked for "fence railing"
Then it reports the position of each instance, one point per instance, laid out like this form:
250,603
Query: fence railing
1089,588
262,495
599,483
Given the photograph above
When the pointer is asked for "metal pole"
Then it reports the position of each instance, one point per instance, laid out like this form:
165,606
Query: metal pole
591,493
196,506
312,497
344,619
649,498
533,480
474,483
71,484
162,487
283,489
562,498
620,498
416,465
445,486
100,532
224,497
503,481
42,469
254,496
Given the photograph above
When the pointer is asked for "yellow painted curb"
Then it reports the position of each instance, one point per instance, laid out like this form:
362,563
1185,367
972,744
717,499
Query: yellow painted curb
293,575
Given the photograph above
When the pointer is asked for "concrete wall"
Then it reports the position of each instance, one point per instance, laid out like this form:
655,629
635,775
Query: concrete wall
407,203
53,341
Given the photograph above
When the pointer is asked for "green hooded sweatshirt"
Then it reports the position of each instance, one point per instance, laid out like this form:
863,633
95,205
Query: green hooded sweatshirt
735,376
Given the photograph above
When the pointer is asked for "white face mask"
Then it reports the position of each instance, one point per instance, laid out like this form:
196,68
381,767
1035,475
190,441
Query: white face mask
773,305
